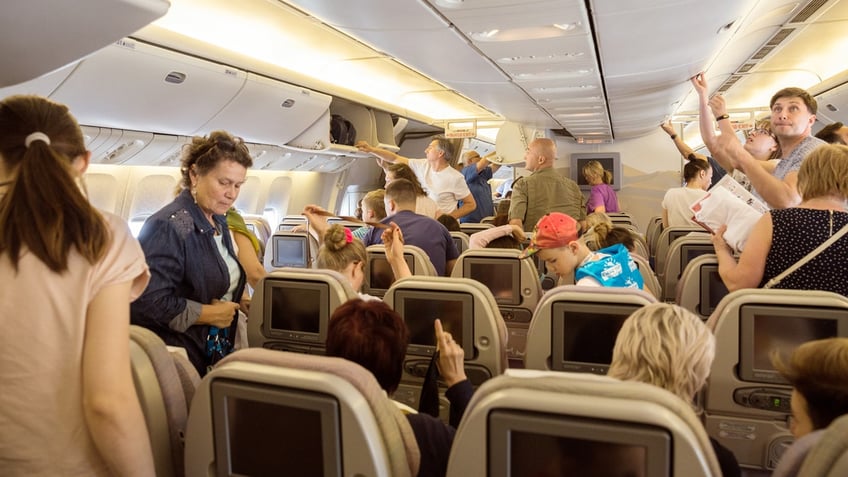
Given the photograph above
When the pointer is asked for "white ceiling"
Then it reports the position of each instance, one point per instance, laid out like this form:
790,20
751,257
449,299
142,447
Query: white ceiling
620,72
597,70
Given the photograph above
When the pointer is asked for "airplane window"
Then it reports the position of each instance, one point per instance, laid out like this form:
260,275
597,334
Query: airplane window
136,223
270,215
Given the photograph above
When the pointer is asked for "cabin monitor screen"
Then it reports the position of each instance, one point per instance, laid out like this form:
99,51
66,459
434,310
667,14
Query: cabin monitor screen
764,329
501,276
420,308
529,444
457,242
713,289
295,310
290,251
688,252
380,274
611,161
583,335
300,430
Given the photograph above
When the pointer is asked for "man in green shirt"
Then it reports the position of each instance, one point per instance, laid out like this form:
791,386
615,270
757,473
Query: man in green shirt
544,190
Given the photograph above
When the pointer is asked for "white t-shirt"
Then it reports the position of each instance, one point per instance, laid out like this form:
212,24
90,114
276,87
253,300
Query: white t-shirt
446,186
427,207
741,178
677,202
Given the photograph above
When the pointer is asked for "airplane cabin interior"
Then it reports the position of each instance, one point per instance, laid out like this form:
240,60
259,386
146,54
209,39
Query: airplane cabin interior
597,76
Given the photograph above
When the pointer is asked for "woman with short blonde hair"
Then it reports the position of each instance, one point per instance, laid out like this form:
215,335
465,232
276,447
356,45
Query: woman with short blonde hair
670,347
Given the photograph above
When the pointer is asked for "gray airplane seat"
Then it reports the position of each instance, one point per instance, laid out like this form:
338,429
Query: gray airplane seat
261,229
266,412
549,423
164,387
649,278
378,272
680,253
291,308
640,245
467,310
574,327
471,227
652,233
829,457
291,221
746,401
460,239
514,283
622,218
666,237
290,250
700,288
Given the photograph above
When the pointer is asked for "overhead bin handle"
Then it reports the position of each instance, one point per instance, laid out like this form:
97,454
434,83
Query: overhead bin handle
175,77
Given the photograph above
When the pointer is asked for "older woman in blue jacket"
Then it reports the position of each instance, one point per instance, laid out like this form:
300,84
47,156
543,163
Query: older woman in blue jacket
197,283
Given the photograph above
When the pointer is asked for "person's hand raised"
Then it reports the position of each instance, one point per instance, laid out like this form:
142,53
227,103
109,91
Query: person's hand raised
451,357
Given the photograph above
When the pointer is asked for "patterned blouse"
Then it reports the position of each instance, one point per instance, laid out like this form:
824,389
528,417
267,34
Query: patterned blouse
797,232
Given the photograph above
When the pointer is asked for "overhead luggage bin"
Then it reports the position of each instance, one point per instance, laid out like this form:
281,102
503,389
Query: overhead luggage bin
269,111
41,86
57,22
134,80
385,131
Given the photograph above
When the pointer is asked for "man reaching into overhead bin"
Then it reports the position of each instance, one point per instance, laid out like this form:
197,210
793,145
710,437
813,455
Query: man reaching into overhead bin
444,184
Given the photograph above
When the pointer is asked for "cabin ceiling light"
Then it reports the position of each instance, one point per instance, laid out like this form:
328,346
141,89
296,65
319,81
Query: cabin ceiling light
583,99
449,3
564,89
580,115
551,75
523,34
531,59
567,26
575,108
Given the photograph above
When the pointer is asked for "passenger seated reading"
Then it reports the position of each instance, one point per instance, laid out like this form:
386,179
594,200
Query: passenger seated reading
668,346
782,238
373,335
818,372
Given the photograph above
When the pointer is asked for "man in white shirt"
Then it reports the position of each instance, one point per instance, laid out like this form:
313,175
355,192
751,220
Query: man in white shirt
443,183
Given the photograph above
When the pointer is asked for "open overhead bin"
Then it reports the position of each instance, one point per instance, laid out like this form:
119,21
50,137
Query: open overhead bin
91,25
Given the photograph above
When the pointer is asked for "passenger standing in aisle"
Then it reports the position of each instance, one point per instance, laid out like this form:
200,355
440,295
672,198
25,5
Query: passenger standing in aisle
69,271
602,197
443,183
478,172
793,112
197,284
544,190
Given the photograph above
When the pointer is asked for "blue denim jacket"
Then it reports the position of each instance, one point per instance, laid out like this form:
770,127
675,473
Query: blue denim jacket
186,272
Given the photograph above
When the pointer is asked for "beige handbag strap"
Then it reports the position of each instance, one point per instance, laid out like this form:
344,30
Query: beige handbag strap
800,263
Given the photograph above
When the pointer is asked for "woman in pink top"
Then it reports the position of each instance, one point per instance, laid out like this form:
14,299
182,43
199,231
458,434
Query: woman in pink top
68,406
602,197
